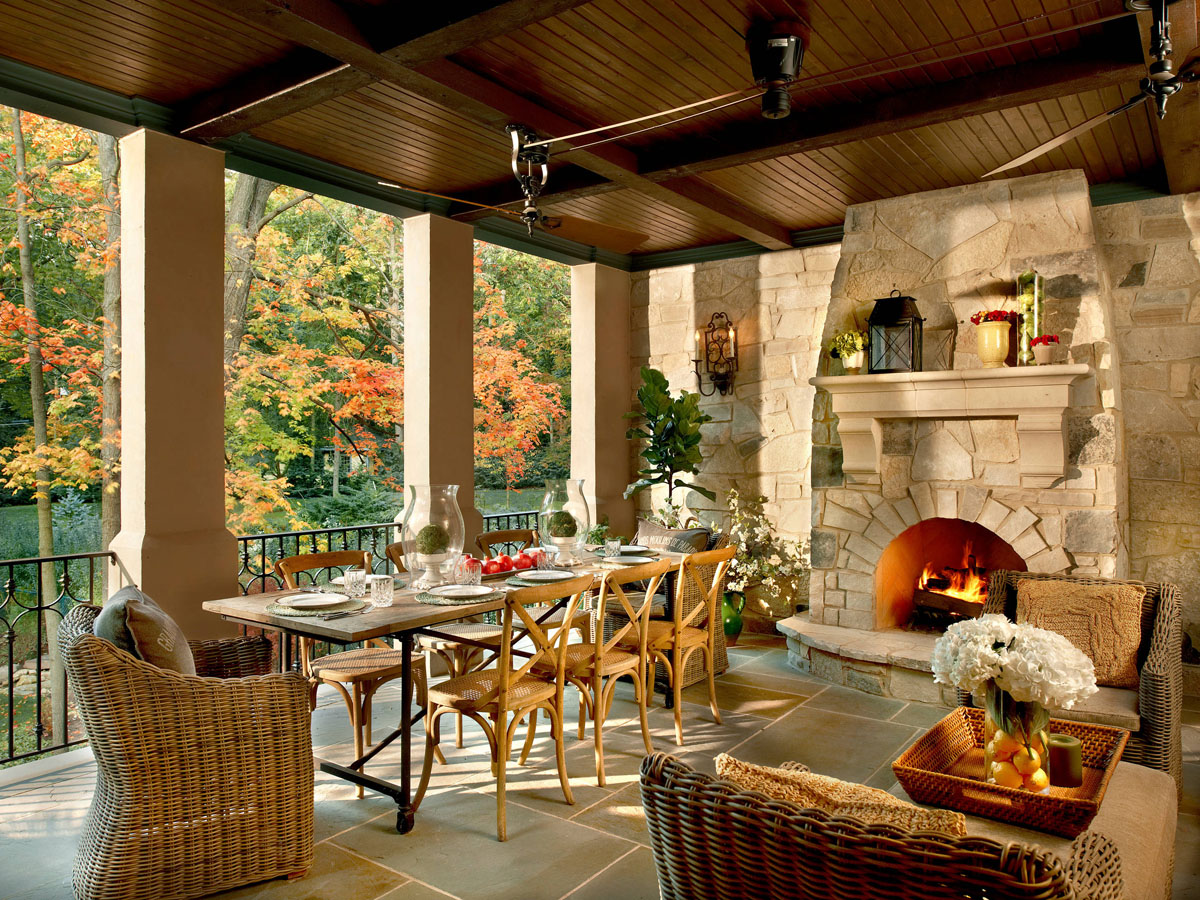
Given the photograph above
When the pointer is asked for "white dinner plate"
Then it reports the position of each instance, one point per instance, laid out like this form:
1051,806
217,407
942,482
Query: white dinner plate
544,575
627,560
633,548
460,591
312,600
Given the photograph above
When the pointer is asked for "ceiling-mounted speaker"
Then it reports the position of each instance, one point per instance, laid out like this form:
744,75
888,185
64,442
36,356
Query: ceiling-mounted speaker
776,51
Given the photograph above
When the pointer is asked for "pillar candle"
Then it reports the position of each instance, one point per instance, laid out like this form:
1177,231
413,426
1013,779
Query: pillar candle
1066,761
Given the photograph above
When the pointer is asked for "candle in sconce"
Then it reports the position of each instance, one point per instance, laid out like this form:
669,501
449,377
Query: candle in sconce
698,343
732,343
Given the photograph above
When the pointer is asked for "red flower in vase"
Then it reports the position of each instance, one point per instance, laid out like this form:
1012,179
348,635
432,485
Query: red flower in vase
1044,339
995,315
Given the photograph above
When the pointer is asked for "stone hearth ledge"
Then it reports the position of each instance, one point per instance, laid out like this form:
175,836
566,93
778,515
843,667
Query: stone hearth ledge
888,663
1038,396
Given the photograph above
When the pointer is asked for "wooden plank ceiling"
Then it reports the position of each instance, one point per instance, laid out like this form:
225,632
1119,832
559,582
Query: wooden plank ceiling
893,97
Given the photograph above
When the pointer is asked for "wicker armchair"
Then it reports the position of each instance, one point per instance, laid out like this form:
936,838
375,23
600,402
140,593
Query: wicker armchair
712,840
1160,666
203,783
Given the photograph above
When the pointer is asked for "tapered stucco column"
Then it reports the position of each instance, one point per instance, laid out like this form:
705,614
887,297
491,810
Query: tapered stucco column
439,359
173,542
600,390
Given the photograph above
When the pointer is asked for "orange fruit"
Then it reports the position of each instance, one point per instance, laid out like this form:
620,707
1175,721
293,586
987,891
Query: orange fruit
1037,745
1006,775
1038,781
1027,761
1004,745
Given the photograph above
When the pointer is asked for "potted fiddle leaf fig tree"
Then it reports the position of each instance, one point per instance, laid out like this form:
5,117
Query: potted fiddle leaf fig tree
670,436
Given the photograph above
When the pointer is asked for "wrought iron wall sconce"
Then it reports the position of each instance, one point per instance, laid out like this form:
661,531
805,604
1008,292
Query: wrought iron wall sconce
716,349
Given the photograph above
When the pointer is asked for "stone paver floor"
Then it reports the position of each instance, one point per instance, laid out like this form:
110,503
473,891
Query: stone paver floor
594,849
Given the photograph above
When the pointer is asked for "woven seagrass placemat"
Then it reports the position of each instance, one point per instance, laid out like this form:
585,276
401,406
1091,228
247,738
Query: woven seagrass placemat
435,600
346,606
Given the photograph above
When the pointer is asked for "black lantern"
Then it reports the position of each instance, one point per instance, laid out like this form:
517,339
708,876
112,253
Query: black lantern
894,335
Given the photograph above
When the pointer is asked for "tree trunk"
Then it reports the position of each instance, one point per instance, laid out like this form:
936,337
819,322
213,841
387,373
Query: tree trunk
246,210
110,369
37,399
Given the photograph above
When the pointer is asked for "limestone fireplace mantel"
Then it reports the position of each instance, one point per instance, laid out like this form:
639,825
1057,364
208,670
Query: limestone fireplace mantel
1037,396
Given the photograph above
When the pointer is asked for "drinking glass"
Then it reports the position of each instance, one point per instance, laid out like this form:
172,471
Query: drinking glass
355,582
547,557
612,548
382,590
468,570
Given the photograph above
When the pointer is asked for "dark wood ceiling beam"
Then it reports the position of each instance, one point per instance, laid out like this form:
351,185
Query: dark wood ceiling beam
1178,133
320,25
414,34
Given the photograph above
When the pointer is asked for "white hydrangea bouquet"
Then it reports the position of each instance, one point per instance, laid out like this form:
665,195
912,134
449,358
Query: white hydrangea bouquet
1019,670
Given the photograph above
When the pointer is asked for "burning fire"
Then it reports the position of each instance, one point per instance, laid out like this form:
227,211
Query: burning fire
967,583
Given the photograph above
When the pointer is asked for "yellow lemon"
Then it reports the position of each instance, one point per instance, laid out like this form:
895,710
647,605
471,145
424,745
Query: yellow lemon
1005,775
1037,745
1027,761
1037,781
1004,745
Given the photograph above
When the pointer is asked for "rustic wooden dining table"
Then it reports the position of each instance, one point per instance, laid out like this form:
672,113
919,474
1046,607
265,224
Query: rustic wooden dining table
404,620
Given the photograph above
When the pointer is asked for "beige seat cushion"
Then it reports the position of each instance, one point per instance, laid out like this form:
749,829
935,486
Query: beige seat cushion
1108,706
1137,815
842,798
1102,620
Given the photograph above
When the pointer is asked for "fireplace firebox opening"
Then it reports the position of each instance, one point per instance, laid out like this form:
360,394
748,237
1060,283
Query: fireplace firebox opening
936,572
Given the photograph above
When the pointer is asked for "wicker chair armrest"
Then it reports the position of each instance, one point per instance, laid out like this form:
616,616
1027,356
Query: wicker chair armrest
1094,868
155,723
232,657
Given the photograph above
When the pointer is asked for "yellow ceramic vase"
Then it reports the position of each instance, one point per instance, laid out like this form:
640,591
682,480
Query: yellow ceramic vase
991,339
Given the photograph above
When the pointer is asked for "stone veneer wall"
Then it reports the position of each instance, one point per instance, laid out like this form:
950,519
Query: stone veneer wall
1152,252
761,435
957,251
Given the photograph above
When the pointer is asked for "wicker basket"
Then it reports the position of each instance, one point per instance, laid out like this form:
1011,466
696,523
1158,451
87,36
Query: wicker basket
944,768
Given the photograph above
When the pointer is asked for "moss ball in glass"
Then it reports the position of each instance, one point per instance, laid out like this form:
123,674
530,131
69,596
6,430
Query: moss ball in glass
563,525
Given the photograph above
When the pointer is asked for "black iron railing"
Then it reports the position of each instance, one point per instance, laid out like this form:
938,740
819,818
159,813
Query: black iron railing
39,714
258,553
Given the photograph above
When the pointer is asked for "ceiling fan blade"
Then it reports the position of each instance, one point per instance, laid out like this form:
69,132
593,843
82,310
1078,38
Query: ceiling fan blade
585,231
1066,136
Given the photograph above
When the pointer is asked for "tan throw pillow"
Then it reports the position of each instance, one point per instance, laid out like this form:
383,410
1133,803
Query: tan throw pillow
677,540
1102,620
138,625
840,798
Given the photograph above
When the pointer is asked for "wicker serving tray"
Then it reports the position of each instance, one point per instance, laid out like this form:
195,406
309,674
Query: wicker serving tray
945,768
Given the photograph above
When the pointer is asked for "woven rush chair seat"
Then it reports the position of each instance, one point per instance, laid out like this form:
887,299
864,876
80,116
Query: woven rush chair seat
204,782
356,665
581,660
475,631
1158,742
466,691
712,839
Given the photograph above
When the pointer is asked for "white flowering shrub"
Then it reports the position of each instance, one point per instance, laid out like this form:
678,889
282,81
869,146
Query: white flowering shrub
763,558
1031,664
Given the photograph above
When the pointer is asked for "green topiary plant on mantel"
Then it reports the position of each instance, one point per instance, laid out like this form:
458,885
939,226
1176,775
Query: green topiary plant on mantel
670,436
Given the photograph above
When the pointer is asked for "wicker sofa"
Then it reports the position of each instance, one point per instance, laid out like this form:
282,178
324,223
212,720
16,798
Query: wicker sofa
204,782
1154,712
715,841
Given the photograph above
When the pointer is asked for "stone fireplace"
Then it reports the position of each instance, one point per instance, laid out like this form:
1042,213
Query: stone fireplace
1025,463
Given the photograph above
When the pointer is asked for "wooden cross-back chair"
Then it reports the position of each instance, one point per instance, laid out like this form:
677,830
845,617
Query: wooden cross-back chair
458,657
509,693
526,537
595,666
673,642
365,670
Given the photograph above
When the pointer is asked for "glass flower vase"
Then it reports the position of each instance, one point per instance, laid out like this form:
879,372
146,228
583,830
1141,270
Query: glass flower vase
1030,298
564,520
433,533
1015,742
